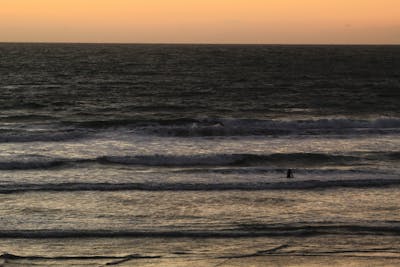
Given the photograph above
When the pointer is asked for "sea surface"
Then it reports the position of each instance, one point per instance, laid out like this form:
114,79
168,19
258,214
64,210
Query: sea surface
129,155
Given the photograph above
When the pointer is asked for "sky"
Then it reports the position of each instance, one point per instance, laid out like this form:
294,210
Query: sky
201,21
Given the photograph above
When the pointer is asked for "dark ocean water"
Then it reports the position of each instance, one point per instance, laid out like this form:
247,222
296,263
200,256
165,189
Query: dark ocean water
176,145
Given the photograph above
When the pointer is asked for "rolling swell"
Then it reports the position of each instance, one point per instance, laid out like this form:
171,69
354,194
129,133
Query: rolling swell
206,160
8,256
158,187
258,231
32,164
295,159
227,159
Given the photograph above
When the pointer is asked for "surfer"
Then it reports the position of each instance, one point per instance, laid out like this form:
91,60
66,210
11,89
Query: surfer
289,174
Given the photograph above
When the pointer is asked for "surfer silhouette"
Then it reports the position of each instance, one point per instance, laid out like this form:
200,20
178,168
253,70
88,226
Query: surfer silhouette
289,174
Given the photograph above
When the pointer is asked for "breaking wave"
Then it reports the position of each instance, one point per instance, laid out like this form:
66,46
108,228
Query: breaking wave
189,127
248,127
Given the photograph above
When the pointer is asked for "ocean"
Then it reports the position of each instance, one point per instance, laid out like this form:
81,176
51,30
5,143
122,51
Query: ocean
176,155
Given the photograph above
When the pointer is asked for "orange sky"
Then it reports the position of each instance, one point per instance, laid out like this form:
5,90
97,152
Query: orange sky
201,21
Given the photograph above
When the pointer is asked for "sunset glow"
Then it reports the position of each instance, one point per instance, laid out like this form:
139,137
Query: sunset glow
201,21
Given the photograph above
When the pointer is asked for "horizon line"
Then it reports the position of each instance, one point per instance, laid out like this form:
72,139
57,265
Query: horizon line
201,43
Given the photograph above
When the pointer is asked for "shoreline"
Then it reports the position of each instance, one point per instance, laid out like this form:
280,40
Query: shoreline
254,261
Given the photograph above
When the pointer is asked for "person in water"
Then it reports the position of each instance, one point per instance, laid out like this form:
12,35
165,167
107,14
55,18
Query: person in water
289,174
